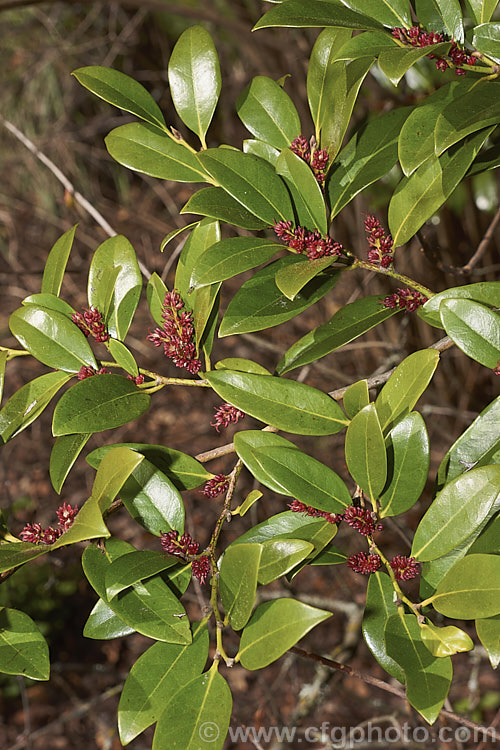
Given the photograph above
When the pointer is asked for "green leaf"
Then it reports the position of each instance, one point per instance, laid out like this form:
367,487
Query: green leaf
259,304
122,91
397,61
418,197
370,154
275,627
247,503
471,589
114,470
103,624
238,582
474,328
481,10
378,608
134,567
487,292
216,203
268,112
104,286
330,555
249,180
52,338
261,149
200,239
64,453
197,716
55,265
369,44
232,256
88,524
356,398
305,190
472,111
488,632
3,363
408,458
285,525
123,357
242,365
286,404
302,477
294,13
389,12
155,293
23,649
143,149
365,452
154,678
14,554
318,534
49,302
279,556
173,234
184,472
442,16
98,403
405,386
117,252
445,641
248,442
428,677
293,277
322,77
26,404
347,324
195,80
457,510
475,446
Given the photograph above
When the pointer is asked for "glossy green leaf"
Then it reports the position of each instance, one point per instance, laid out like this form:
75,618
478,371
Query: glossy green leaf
488,540
247,503
152,500
26,404
302,477
249,180
481,10
330,555
472,111
259,304
195,80
49,302
261,149
52,338
285,525
419,196
408,459
232,256
98,403
405,386
487,292
216,203
356,398
279,556
248,442
397,61
183,471
475,446
428,677
134,567
365,452
154,678
122,91
305,190
321,76
319,535
117,252
268,112
238,582
488,159
175,233
197,716
442,16
88,524
457,510
103,624
316,13
471,589
293,277
55,265
14,554
488,632
64,453
445,641
378,608
347,324
242,365
275,627
23,649
3,363
369,44
369,155
155,293
286,404
205,234
389,12
123,357
474,328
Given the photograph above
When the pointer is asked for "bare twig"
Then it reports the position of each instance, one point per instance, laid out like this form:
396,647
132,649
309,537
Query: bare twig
481,249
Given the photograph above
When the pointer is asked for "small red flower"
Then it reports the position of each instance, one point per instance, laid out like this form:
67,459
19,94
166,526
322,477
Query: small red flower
225,415
417,37
138,380
87,372
91,323
215,486
362,520
364,563
66,514
177,334
404,299
313,244
172,545
380,243
405,568
297,507
201,568
33,533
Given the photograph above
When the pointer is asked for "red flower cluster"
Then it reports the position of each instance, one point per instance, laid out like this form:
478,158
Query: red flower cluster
91,323
35,534
313,244
87,372
364,563
172,545
362,520
380,243
405,299
177,334
201,568
138,380
496,370
225,415
405,568
297,507
215,486
319,160
417,37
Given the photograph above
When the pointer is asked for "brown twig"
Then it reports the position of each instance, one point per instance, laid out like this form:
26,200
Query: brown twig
481,249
